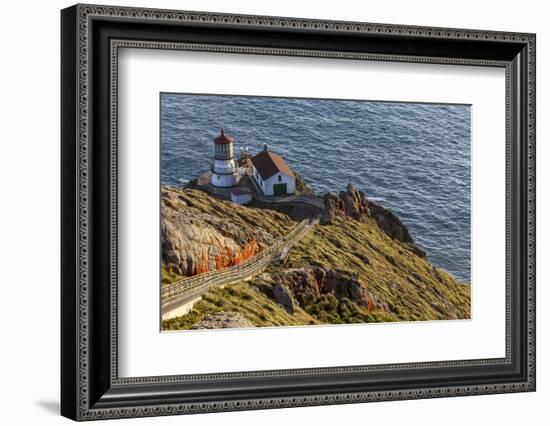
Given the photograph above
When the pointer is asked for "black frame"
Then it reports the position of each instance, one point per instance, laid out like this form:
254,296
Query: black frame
90,386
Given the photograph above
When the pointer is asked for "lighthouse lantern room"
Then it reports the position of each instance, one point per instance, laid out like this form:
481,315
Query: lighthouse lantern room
224,171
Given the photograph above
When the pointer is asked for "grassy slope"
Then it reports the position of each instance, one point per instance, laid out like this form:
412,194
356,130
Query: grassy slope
411,287
245,299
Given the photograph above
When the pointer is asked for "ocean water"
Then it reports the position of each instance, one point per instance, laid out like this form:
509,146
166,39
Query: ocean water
413,158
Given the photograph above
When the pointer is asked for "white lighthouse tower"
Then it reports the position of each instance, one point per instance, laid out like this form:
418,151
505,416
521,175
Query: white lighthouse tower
224,172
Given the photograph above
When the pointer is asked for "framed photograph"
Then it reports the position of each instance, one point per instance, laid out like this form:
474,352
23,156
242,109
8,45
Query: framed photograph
263,212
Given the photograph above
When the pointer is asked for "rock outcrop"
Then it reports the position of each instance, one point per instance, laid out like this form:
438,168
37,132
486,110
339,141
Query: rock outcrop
187,243
351,203
301,186
314,281
199,236
283,296
390,223
223,320
355,204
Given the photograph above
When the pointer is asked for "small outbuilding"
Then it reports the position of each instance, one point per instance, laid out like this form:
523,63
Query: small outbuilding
241,195
272,175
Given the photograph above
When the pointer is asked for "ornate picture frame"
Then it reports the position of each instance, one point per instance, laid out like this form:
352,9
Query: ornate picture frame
91,37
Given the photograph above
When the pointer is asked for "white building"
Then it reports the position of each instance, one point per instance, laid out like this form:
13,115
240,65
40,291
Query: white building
241,195
224,170
272,174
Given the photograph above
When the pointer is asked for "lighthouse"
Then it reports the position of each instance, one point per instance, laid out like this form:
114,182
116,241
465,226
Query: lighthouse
224,172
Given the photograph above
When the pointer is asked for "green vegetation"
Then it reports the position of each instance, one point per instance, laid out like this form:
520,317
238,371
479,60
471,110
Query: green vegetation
168,275
412,288
242,298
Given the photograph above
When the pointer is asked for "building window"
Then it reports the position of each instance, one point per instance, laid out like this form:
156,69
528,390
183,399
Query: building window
280,178
218,177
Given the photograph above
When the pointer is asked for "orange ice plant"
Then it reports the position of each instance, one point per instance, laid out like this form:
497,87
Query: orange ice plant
223,259
202,265
226,258
370,304
246,252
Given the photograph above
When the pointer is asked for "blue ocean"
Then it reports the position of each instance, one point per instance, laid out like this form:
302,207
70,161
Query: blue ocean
413,158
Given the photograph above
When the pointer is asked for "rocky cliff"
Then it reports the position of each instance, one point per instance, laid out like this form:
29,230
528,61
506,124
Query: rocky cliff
353,203
200,233
359,265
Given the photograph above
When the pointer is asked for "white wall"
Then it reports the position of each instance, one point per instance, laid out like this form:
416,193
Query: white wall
267,185
258,179
29,225
290,183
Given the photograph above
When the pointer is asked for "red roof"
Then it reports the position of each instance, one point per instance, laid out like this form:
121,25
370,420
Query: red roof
268,163
223,139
